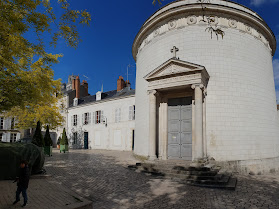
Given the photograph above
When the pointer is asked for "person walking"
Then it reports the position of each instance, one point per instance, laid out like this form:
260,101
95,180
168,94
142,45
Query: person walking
22,182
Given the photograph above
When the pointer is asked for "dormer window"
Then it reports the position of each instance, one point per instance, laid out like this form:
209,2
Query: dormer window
75,102
98,96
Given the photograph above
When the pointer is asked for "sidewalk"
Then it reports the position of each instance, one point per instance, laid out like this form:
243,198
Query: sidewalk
42,194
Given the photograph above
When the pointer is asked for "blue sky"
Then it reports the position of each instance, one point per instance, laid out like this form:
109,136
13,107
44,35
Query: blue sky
105,51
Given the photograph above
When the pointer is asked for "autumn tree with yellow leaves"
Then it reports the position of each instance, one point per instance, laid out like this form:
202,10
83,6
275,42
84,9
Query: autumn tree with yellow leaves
27,88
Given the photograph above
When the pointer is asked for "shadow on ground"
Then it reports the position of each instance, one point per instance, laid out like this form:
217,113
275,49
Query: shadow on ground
102,179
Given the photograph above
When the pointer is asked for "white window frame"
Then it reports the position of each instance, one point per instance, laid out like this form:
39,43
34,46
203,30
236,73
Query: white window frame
117,115
13,137
132,112
1,123
98,117
86,118
75,120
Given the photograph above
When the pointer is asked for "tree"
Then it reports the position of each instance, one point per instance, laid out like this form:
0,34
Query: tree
47,138
38,137
26,77
64,139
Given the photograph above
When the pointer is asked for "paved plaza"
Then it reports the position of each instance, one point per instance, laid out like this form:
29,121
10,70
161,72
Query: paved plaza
103,177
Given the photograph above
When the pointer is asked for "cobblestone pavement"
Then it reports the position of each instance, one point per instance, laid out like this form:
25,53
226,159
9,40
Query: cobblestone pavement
102,176
42,194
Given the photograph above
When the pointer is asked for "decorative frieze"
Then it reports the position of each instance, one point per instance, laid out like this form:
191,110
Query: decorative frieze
192,20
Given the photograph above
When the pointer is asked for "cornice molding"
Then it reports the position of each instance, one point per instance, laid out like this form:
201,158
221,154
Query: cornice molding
191,15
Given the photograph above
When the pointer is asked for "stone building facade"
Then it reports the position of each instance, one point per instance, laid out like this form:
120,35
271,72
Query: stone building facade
102,121
8,133
198,96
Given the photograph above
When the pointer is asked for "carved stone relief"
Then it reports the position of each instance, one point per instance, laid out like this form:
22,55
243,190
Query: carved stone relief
214,20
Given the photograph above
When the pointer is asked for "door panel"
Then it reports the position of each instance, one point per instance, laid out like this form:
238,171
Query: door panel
186,138
180,128
174,138
173,151
186,151
186,125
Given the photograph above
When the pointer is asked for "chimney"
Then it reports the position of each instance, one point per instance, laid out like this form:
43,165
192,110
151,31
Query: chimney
77,87
127,84
74,84
120,83
85,85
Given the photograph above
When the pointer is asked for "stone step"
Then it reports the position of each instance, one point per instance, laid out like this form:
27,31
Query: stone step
212,181
216,177
230,185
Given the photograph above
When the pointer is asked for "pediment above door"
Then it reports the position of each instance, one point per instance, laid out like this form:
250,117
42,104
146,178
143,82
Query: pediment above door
176,72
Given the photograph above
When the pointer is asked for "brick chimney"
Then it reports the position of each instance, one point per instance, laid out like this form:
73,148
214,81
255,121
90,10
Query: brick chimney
74,84
85,86
77,87
120,83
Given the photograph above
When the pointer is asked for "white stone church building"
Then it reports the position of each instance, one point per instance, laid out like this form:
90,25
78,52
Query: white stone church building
197,94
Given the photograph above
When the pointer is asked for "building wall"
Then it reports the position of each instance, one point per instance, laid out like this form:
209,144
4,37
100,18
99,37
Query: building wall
241,122
6,131
113,136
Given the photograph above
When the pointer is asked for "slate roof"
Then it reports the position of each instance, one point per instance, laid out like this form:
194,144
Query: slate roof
107,95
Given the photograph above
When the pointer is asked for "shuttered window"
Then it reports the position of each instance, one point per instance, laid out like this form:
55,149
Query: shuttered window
86,118
1,123
13,137
117,115
98,117
74,120
132,112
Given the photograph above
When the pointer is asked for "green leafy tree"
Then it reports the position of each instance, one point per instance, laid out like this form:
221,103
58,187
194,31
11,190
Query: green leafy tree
64,139
38,137
47,138
26,77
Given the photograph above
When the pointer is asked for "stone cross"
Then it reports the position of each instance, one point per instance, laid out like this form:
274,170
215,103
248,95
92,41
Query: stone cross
174,50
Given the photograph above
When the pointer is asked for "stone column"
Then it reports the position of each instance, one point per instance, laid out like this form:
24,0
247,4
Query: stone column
198,120
152,124
163,133
204,124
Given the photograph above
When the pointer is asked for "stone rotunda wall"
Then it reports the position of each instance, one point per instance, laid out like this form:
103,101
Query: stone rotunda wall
241,115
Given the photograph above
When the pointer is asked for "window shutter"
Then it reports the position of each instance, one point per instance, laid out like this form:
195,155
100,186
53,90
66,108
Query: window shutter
4,137
82,119
78,120
17,136
130,113
102,116
94,118
8,137
89,117
72,120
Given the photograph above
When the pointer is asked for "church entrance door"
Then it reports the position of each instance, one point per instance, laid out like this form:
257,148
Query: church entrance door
180,128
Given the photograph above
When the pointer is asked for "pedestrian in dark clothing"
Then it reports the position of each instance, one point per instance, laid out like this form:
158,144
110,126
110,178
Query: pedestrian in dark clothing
22,182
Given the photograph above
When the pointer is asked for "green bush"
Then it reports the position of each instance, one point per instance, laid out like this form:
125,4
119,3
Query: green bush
47,138
64,140
12,153
38,137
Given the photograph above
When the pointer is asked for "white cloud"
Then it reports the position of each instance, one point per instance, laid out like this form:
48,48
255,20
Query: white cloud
261,2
